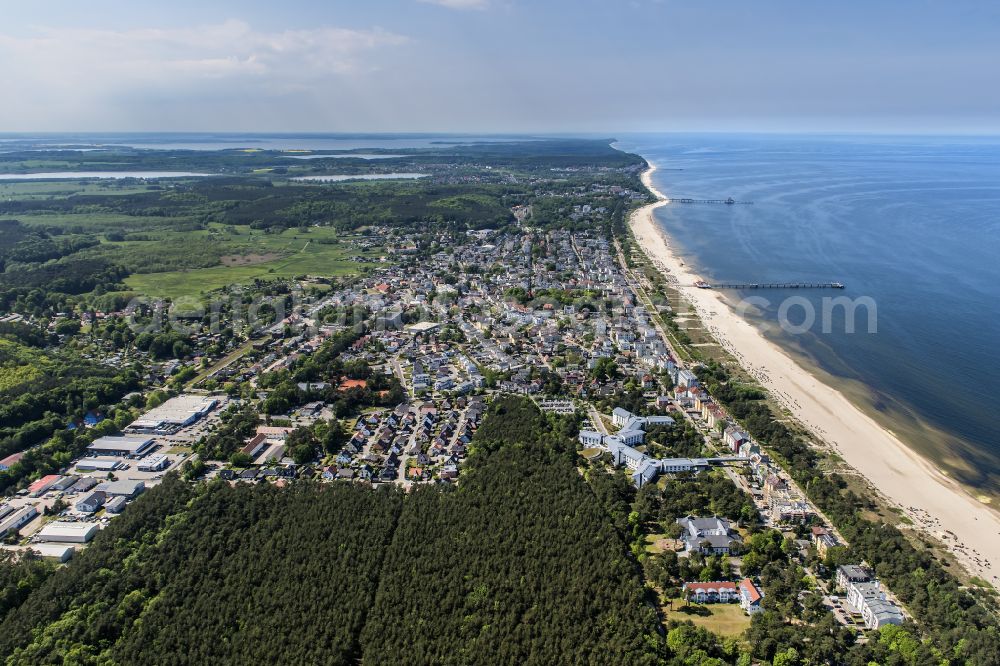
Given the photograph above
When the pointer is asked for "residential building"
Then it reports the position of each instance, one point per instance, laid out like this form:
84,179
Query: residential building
873,604
750,596
708,535
721,592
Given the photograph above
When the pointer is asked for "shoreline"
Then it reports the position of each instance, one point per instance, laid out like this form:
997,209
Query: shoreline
905,479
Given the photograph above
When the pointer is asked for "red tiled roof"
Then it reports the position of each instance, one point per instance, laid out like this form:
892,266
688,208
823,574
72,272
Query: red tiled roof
750,590
348,384
42,482
711,587
12,458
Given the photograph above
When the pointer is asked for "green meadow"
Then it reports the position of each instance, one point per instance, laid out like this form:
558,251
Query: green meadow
245,255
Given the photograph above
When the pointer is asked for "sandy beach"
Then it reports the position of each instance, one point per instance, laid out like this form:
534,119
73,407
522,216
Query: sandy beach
931,500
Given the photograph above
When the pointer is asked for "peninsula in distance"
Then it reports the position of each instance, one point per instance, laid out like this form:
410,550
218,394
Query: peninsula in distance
496,332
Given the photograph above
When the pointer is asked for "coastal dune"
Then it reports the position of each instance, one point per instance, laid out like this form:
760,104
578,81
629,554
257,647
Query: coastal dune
934,502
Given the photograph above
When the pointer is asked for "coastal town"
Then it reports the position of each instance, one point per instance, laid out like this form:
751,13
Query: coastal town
425,343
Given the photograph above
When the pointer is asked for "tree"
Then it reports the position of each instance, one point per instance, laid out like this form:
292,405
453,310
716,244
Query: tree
304,453
334,438
240,459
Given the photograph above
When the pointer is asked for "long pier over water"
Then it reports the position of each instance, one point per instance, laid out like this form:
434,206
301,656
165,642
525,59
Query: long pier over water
729,202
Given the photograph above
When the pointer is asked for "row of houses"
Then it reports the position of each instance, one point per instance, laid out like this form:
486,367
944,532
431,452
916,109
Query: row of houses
746,592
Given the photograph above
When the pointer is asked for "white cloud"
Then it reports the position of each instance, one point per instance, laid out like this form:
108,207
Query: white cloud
60,71
459,4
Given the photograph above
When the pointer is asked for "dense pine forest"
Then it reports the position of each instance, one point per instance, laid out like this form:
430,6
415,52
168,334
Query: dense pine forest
518,564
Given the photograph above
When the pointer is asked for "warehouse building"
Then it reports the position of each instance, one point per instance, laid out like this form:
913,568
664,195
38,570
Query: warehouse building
17,519
174,414
59,552
83,485
98,464
65,532
42,486
153,463
124,446
91,503
64,483
127,489
116,504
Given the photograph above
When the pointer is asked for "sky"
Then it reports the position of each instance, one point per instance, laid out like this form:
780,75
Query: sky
545,66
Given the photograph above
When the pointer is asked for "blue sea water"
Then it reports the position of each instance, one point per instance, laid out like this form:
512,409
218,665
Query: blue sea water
911,222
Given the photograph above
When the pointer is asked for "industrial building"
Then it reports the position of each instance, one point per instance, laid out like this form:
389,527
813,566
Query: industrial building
64,483
153,463
124,446
91,503
83,485
68,532
55,551
17,519
174,414
116,504
98,464
127,489
40,487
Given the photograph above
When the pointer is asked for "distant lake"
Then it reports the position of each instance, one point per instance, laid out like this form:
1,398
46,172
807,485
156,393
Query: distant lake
365,176
357,156
232,141
77,175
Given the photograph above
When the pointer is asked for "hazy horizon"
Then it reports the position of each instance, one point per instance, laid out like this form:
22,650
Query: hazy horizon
434,66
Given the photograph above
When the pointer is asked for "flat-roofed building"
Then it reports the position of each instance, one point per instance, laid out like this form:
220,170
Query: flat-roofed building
174,414
423,327
853,573
67,532
124,446
153,463
55,551
128,489
98,464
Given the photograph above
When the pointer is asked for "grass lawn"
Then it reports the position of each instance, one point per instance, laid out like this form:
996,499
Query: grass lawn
722,619
228,359
657,543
